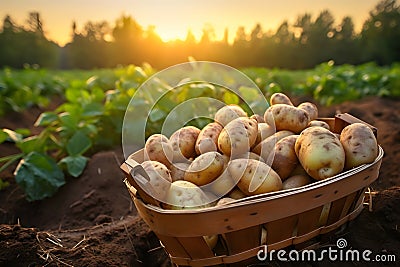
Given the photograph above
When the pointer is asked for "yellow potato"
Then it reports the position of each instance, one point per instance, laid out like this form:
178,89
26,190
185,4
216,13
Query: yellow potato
280,98
255,177
238,136
286,117
158,148
236,193
320,152
285,158
310,108
185,195
222,185
228,113
160,178
265,148
207,140
183,143
360,145
205,168
296,181
249,155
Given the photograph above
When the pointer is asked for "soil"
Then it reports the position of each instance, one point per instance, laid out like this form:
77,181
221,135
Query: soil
91,220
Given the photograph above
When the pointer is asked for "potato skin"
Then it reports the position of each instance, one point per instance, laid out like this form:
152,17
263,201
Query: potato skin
285,158
183,143
185,195
286,117
205,168
318,123
265,148
264,130
228,113
296,181
158,148
310,108
160,178
258,118
238,136
360,145
320,152
280,98
255,177
207,140
178,170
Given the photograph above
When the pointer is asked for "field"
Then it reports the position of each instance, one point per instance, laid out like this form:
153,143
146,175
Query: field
65,203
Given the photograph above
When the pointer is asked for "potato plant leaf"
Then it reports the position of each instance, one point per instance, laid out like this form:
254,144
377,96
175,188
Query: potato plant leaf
78,144
75,164
39,176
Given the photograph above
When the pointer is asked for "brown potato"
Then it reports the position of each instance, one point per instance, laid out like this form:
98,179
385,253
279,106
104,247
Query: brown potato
360,145
264,130
255,177
320,152
296,181
207,140
238,136
205,168
228,113
286,117
258,118
285,158
310,108
158,148
280,98
183,143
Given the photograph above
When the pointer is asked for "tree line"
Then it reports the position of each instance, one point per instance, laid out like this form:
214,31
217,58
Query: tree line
299,45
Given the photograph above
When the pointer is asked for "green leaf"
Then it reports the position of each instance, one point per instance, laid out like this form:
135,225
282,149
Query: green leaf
75,164
156,115
249,94
3,136
230,98
29,144
39,176
46,118
13,136
78,144
92,109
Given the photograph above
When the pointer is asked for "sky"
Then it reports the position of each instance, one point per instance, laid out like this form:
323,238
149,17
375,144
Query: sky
173,18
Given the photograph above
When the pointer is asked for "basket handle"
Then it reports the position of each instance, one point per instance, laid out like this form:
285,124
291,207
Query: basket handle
139,179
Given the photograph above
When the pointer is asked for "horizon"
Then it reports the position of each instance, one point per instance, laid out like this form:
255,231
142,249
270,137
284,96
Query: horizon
173,20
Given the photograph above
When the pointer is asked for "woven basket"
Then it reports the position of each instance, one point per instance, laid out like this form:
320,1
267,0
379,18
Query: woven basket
290,217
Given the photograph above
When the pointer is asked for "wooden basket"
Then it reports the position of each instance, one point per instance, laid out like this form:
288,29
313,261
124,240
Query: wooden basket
290,217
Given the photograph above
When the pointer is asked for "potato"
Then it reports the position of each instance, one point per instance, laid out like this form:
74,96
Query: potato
265,148
318,123
249,155
185,195
298,170
320,152
238,136
264,130
296,181
310,108
222,185
258,118
360,145
286,117
228,113
279,98
158,148
255,177
285,158
205,168
207,140
236,193
211,240
178,170
183,143
160,178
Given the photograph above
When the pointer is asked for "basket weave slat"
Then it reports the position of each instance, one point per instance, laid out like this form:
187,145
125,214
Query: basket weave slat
280,229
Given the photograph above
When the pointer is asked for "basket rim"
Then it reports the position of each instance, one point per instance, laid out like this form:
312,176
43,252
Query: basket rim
271,195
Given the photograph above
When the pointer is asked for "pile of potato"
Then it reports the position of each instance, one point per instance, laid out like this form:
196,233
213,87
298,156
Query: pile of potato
237,156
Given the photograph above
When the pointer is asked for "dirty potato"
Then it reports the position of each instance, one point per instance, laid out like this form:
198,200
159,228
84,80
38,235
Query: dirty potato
205,168
183,143
286,117
285,158
228,113
158,148
360,145
280,98
320,152
310,108
207,140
